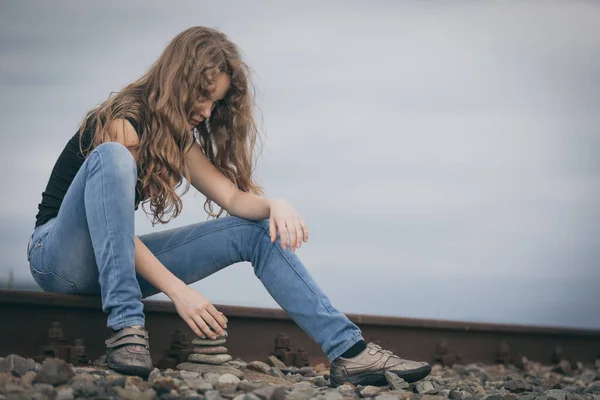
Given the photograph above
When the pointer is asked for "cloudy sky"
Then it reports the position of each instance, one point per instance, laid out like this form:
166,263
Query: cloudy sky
444,156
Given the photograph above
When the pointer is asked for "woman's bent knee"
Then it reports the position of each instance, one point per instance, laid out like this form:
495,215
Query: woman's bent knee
118,156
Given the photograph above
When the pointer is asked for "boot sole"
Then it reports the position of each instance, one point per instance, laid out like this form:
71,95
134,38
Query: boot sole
131,370
378,379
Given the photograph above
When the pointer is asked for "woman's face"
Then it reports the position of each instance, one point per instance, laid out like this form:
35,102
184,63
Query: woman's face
204,106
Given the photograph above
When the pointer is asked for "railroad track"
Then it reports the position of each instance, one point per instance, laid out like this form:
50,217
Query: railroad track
37,324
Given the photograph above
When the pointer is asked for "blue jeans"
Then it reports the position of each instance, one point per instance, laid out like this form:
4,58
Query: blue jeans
88,248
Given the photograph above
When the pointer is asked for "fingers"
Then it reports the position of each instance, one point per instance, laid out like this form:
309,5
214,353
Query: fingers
272,231
305,230
218,316
212,323
299,234
283,233
194,327
204,328
294,231
293,236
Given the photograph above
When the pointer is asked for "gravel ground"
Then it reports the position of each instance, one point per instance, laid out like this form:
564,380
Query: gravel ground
54,379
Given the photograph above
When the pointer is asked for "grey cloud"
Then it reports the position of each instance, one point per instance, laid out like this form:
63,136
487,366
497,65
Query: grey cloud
447,152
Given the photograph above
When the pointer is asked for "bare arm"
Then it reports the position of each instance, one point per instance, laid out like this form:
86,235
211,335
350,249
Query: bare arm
217,187
208,180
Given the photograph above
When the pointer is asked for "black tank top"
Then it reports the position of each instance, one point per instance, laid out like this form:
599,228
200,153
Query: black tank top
64,171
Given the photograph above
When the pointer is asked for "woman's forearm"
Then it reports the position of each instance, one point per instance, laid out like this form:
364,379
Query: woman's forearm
249,206
151,269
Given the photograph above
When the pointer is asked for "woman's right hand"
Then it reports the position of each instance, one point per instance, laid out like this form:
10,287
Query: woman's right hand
199,313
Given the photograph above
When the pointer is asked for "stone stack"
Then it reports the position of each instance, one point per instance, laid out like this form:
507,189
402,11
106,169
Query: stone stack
209,351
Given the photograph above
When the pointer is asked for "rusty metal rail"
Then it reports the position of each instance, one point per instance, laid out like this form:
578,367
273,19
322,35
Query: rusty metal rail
26,328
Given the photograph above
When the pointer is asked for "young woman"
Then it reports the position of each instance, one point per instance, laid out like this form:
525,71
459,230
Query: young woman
190,116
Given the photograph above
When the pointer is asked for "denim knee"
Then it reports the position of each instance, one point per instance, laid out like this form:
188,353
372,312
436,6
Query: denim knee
117,156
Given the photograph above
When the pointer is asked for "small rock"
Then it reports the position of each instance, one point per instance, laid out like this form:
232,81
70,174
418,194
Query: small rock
294,377
518,386
557,394
386,396
204,368
17,365
250,396
55,372
211,378
320,368
45,389
259,366
210,358
306,370
164,385
12,388
370,391
191,395
271,392
212,395
227,383
137,382
185,375
238,364
276,362
65,394
299,396
204,387
208,342
155,373
210,350
395,381
246,386
346,390
28,377
116,380
435,397
301,386
335,396
563,367
423,387
321,382
277,372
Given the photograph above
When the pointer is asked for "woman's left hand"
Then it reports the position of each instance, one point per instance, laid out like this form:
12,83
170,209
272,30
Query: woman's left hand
285,219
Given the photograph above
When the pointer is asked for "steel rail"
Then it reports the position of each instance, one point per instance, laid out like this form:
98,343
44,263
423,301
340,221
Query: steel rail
27,318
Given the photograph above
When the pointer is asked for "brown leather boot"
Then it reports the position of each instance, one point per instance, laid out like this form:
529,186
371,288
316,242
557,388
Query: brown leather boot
369,367
128,352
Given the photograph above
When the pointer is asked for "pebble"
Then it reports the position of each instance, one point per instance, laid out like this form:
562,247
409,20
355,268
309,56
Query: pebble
204,368
17,365
227,383
276,362
370,391
423,387
395,381
54,372
259,366
210,350
529,381
65,394
271,392
238,364
517,386
216,359
208,342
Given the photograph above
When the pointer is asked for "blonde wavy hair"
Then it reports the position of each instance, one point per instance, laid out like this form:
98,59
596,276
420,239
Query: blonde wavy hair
161,102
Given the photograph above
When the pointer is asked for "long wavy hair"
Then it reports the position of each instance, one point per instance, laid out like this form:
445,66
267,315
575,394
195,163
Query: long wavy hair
162,101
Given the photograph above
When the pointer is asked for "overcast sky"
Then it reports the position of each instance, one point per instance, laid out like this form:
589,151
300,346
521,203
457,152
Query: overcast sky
445,156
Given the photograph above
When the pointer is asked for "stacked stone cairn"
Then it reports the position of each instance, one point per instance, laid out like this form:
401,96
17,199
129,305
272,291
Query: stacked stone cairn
209,351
